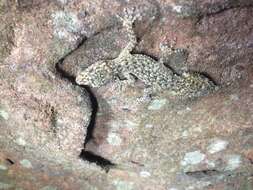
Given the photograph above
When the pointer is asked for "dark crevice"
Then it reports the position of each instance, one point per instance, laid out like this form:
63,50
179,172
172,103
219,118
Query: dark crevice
100,161
62,72
203,173
137,163
87,155
207,76
9,162
92,124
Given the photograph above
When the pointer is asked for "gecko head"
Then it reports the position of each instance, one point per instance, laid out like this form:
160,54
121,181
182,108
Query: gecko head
96,75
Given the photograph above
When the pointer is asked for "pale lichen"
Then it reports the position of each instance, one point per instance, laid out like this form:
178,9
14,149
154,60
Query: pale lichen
192,158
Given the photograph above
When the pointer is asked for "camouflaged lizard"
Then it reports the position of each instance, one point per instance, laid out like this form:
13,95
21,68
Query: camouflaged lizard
154,74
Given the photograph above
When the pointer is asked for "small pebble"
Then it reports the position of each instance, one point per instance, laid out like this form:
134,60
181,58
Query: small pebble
26,163
157,104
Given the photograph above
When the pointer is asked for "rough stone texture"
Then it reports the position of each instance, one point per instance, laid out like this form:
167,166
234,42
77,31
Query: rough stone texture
39,109
6,29
166,143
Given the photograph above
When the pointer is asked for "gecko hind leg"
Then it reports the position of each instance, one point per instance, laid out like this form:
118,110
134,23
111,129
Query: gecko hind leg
173,58
124,80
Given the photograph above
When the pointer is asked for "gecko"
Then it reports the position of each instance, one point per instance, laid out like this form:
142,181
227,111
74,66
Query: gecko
154,74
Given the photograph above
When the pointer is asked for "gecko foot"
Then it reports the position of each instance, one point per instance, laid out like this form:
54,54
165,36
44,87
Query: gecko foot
147,95
129,16
121,85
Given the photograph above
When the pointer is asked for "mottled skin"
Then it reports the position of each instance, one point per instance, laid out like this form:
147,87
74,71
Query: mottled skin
154,74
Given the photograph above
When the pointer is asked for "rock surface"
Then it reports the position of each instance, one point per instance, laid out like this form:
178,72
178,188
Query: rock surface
58,135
